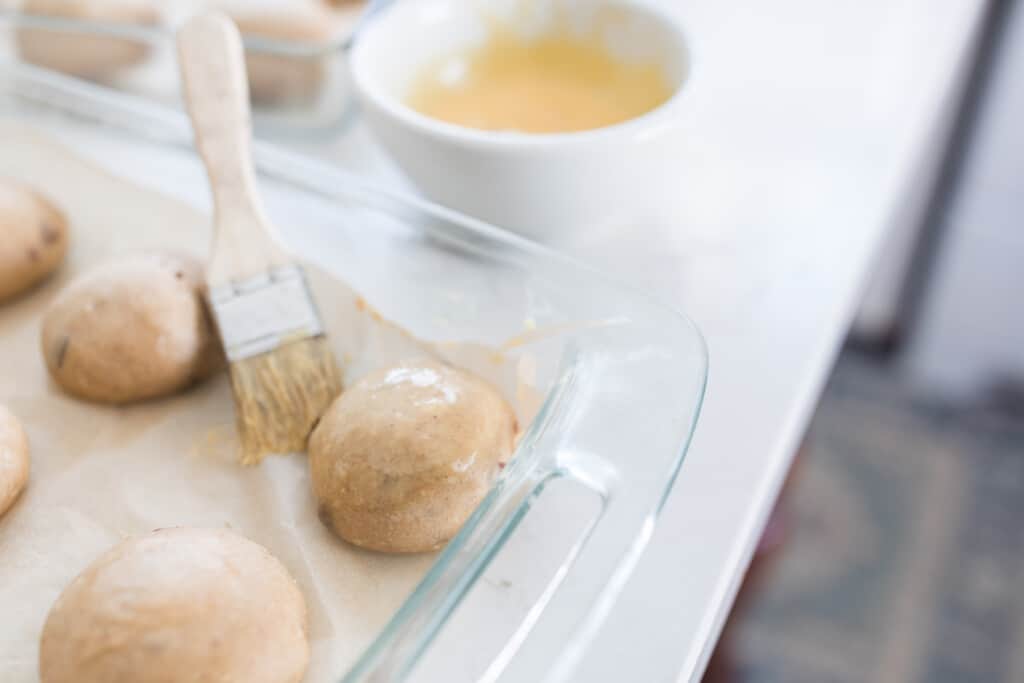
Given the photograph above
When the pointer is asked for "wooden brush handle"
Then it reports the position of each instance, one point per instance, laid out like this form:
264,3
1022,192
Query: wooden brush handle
212,62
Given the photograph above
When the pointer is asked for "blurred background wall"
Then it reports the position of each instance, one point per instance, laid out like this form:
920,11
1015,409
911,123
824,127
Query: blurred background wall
961,326
970,331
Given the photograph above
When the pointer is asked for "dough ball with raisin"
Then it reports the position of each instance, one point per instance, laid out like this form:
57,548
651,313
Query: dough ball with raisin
34,238
132,329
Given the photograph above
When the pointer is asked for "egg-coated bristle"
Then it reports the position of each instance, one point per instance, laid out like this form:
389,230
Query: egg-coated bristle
280,395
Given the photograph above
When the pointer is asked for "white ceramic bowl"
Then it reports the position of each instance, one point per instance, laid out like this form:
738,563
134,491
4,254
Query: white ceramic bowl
536,184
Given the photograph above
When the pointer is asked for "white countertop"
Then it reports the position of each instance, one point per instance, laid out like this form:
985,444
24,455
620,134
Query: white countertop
809,125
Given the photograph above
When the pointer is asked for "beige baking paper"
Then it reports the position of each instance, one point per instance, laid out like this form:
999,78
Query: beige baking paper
101,473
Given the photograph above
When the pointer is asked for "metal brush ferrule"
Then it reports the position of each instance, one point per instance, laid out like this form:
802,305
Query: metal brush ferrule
263,312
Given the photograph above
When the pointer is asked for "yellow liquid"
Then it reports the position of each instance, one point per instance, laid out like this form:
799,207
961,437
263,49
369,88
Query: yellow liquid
554,84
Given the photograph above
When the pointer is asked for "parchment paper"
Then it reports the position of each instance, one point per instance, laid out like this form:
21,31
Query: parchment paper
100,473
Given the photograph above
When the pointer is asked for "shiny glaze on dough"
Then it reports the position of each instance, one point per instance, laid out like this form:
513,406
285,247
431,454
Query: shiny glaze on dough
402,458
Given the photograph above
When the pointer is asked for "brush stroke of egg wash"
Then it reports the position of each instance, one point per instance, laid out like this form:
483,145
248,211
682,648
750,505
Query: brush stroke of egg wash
554,83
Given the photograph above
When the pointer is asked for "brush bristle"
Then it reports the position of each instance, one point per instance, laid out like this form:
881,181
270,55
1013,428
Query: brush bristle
280,395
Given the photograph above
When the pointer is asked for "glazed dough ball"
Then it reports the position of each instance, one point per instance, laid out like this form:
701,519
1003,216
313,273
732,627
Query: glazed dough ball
178,605
83,55
34,237
275,79
130,330
14,463
402,458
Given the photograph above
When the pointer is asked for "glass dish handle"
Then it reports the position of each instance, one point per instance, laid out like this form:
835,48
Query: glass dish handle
557,629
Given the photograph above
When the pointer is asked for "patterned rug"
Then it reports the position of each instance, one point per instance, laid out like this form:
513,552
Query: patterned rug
904,550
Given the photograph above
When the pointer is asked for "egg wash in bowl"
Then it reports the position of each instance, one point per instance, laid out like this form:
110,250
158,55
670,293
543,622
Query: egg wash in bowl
540,116
559,82
525,66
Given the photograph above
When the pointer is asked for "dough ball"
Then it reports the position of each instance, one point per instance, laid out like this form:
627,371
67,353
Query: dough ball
130,330
401,459
178,605
83,55
35,237
14,464
276,79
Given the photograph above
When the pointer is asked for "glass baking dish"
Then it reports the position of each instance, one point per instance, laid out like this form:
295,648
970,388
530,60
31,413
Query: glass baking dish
319,110
622,378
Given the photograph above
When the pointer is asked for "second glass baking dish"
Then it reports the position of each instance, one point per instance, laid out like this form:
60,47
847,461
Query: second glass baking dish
296,54
622,377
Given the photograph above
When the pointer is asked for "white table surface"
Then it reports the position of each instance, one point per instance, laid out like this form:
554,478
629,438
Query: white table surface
808,125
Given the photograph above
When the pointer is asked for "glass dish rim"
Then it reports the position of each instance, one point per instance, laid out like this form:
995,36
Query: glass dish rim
103,107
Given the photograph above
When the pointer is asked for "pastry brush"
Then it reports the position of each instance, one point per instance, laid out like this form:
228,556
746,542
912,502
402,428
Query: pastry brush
283,373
